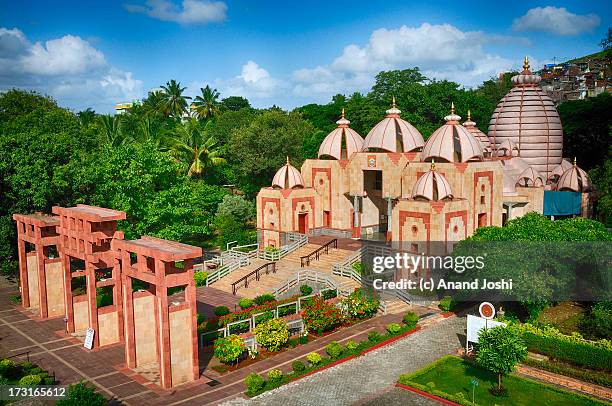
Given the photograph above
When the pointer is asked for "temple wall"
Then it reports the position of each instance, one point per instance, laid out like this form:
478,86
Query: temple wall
181,357
535,198
32,267
54,273
145,329
108,326
81,313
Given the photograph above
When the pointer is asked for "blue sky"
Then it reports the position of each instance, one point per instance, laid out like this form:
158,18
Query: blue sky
88,54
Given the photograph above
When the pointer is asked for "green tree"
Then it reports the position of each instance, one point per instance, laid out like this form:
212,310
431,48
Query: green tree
234,103
82,393
112,129
499,350
86,117
601,177
175,103
194,149
207,103
257,150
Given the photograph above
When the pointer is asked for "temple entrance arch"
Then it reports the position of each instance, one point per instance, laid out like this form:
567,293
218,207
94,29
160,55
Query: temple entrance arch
302,223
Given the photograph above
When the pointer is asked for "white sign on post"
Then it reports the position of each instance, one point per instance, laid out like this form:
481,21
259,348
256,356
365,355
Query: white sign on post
474,325
89,337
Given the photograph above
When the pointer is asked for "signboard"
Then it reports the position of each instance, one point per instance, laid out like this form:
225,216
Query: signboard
486,310
475,324
89,336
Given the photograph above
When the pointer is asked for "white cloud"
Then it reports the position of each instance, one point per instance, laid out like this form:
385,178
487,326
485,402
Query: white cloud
191,12
556,20
254,82
67,68
441,51
252,73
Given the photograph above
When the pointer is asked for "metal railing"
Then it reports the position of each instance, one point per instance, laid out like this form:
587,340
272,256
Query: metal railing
296,240
225,269
305,259
257,272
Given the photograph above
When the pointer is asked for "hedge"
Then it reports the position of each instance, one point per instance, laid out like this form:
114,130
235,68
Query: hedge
598,378
572,349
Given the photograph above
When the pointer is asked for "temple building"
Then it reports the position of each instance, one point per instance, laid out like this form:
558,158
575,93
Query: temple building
394,186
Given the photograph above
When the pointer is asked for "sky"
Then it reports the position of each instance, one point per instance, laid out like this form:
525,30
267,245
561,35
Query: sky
289,53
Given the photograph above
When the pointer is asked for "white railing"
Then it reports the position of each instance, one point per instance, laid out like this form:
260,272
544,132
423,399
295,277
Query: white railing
226,269
296,240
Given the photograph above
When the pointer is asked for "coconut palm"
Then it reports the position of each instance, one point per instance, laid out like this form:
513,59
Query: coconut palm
194,149
175,104
86,117
155,103
207,104
111,127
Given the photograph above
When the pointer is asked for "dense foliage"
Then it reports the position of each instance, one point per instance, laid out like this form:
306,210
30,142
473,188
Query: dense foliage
82,393
321,316
272,334
229,349
499,350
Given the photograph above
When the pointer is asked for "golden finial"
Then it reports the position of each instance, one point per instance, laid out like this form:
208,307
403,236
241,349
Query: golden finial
393,105
526,63
452,108
433,165
574,162
342,112
469,115
287,159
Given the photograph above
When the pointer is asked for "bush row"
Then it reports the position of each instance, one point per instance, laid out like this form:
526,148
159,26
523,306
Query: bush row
569,348
25,374
598,378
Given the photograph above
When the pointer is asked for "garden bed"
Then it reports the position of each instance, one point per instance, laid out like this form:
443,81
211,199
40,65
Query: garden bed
450,378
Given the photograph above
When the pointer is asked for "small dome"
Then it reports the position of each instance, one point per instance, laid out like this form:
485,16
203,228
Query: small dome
452,142
559,169
530,178
513,169
527,116
574,180
479,135
393,134
507,148
432,186
288,177
342,142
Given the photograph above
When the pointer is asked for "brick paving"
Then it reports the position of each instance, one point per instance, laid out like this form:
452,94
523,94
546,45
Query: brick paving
396,396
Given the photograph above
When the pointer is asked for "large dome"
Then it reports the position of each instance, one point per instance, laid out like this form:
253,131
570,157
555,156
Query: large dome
527,116
342,142
479,135
393,134
452,143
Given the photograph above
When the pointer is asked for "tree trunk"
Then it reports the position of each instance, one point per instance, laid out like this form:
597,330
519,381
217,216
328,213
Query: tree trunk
499,381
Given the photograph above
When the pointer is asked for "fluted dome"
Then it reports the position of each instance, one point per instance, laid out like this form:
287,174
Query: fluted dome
288,177
574,180
342,142
513,169
527,116
530,178
507,148
559,169
432,186
452,142
393,134
479,135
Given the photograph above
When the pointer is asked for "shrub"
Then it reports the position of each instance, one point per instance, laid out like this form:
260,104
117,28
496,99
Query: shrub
305,290
358,267
221,311
572,349
30,380
200,278
303,339
410,319
292,342
374,336
298,366
314,358
272,334
8,368
275,375
329,293
82,393
15,299
321,316
229,349
200,318
245,303
598,322
598,378
394,328
334,350
265,298
446,304
285,310
360,304
254,382
351,345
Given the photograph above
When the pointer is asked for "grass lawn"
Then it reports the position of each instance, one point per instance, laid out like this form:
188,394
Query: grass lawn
452,375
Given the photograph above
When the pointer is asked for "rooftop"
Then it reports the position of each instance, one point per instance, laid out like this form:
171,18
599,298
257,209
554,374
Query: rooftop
90,213
165,250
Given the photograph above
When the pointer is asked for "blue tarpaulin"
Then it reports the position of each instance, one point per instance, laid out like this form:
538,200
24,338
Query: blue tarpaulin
562,203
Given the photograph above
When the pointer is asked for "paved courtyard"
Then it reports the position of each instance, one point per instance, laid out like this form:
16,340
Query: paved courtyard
364,377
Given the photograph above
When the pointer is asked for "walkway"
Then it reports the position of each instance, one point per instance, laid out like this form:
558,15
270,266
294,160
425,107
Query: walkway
361,377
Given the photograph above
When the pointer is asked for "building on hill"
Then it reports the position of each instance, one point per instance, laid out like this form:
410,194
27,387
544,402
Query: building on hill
394,186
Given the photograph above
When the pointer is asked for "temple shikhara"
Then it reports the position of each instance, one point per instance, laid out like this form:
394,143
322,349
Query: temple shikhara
394,186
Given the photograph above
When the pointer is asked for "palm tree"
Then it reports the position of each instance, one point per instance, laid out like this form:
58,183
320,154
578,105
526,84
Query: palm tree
174,102
207,105
155,103
111,126
86,117
194,149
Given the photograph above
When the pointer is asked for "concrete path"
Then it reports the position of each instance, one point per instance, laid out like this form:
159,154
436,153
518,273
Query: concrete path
364,377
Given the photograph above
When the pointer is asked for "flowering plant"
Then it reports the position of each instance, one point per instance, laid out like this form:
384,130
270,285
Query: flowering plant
360,305
321,316
272,334
229,349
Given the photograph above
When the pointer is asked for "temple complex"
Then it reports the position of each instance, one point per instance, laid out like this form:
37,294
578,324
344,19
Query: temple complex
395,187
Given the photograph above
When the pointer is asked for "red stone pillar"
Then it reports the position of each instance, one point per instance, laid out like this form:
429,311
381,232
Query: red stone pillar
23,271
42,279
90,277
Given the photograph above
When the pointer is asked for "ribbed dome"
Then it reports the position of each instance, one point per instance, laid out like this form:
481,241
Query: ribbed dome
559,169
479,135
432,186
393,134
530,178
342,142
527,116
574,180
288,177
513,169
507,148
452,142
